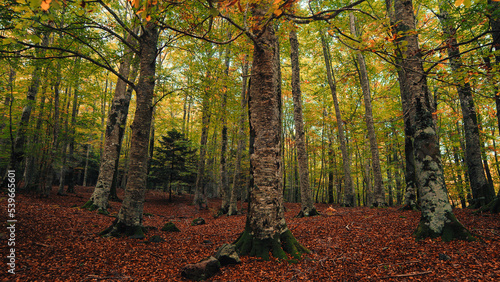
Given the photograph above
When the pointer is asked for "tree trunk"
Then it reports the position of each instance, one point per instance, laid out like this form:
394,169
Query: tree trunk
477,178
129,219
410,199
437,218
17,155
64,149
266,230
117,120
348,187
72,160
200,199
223,181
378,186
233,207
307,205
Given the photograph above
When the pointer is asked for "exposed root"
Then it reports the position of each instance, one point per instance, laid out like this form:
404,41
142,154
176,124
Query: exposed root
452,230
279,246
305,212
119,229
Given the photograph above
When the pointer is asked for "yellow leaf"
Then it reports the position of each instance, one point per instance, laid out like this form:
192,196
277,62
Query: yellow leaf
45,5
467,3
458,2
279,12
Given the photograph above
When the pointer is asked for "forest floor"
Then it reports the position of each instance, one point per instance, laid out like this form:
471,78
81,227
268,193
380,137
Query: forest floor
58,241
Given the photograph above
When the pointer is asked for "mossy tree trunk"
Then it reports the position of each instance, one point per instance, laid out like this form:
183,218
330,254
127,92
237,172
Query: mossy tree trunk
266,230
115,126
129,219
437,218
307,205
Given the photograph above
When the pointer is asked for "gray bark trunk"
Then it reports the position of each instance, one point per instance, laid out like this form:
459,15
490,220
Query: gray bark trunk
477,178
348,186
129,219
437,218
410,199
307,205
115,127
378,186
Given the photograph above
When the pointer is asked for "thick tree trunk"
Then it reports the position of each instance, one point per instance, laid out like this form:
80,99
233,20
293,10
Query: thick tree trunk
348,187
477,178
437,218
266,230
129,219
233,207
307,205
117,119
378,186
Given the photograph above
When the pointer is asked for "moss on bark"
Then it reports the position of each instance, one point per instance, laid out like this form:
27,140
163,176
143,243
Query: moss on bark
452,230
89,205
279,246
493,207
119,229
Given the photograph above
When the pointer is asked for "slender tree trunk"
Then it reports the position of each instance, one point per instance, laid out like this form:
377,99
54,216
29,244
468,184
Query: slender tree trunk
348,187
117,119
223,180
266,230
233,207
410,201
17,155
307,205
477,178
200,199
129,219
378,187
72,161
437,218
64,149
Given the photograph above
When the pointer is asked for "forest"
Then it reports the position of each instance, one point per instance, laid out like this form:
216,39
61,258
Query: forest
313,140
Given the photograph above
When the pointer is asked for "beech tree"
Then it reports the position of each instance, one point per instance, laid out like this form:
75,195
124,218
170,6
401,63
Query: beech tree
437,218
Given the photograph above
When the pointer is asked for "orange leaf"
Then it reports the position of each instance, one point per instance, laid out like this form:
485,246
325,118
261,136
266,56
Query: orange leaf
45,5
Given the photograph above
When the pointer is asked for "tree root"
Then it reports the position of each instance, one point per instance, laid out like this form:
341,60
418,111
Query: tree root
279,246
304,212
119,229
452,230
89,205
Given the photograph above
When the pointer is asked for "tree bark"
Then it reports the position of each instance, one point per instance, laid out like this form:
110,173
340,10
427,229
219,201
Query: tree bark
348,187
117,119
129,219
307,205
410,199
266,230
477,178
437,218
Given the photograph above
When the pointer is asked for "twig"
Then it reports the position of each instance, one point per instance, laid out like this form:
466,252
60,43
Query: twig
399,263
407,275
91,276
43,245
